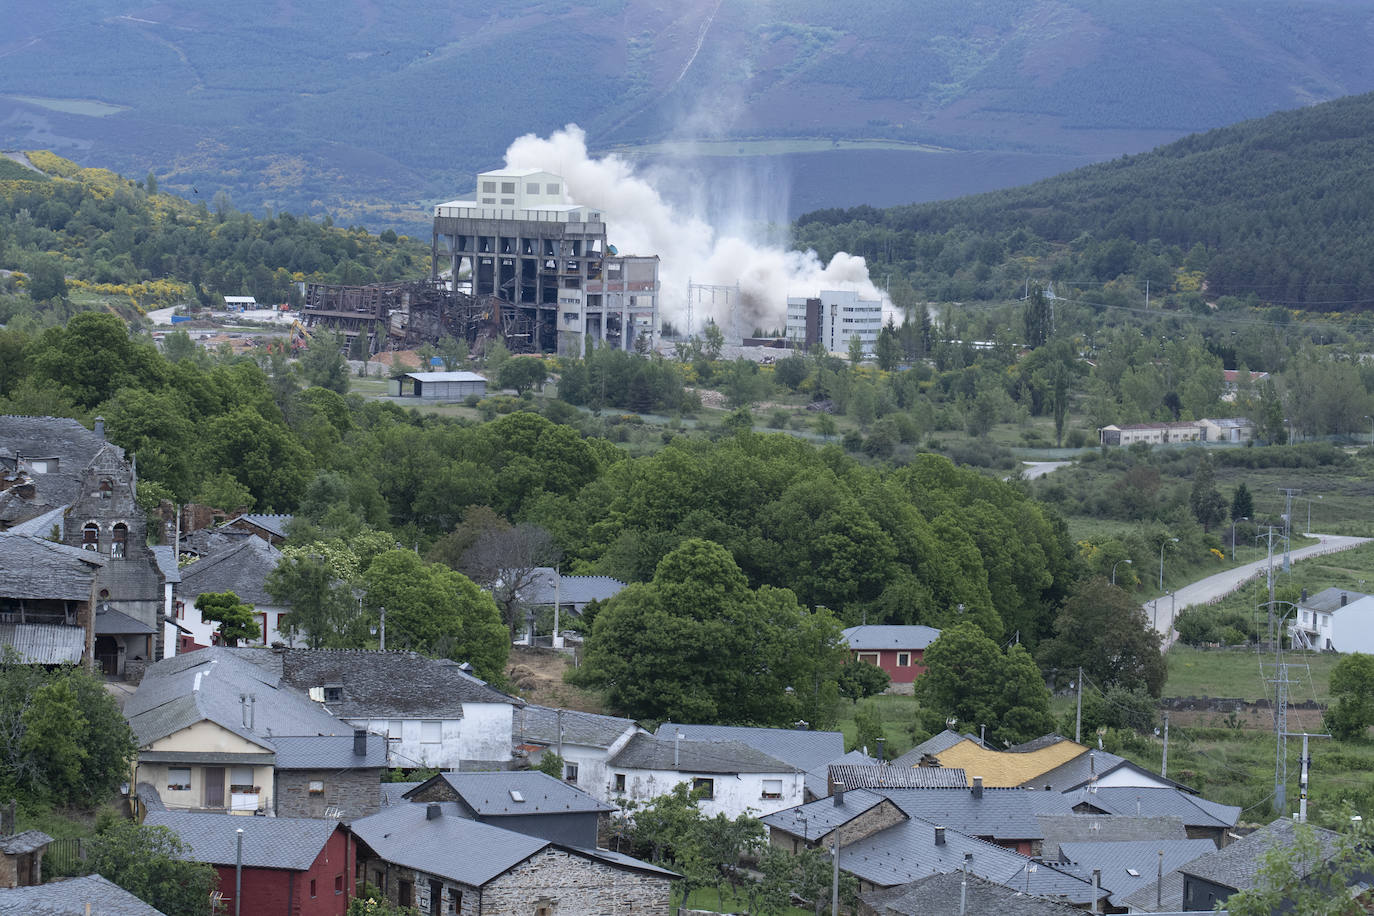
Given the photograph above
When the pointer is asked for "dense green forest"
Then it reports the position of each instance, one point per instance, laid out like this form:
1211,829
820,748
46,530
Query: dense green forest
68,229
1278,210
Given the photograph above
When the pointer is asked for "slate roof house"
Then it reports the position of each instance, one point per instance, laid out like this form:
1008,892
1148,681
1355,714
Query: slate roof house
1127,867
433,857
21,858
586,742
92,895
1338,619
1213,878
898,650
733,777
242,569
431,712
290,865
218,733
572,593
525,801
1102,769
954,894
810,751
47,593
270,528
1201,818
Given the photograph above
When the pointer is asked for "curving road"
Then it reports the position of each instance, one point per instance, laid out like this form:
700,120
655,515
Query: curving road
1161,611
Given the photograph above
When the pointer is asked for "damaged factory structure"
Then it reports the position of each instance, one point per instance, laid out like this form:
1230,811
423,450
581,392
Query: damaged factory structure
518,264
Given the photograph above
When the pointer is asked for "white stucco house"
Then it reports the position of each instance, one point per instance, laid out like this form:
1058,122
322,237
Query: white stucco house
241,569
586,742
733,778
1336,619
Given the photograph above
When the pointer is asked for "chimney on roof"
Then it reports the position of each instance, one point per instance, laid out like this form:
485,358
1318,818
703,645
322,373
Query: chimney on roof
881,741
977,787
1344,598
839,795
360,742
433,811
1304,595
1097,883
100,427
939,836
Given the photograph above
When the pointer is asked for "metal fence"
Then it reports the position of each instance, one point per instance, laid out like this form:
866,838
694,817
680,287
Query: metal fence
65,857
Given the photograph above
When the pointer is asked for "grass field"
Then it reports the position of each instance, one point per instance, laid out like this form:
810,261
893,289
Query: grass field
707,898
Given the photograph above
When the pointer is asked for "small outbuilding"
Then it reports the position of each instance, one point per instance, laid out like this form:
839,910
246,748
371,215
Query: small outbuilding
437,386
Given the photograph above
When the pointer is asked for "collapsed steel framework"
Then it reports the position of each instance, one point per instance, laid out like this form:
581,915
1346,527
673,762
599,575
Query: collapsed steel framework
405,315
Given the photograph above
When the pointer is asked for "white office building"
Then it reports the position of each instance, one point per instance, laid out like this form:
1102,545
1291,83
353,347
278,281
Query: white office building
833,319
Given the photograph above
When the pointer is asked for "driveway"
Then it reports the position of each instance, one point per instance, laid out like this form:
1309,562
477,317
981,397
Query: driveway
1161,611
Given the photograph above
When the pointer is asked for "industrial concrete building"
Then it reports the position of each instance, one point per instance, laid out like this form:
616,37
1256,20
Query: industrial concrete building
440,386
521,243
833,319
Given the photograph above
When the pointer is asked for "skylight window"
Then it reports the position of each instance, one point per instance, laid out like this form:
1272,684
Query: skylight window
1133,873
516,795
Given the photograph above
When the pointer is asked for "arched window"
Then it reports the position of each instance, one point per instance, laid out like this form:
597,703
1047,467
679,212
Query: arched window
120,541
90,536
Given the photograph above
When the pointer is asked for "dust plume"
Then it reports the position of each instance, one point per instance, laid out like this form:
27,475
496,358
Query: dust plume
640,221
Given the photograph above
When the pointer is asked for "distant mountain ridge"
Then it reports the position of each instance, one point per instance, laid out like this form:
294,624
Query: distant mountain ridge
370,111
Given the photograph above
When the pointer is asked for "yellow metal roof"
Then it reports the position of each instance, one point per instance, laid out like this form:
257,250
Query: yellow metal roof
1005,769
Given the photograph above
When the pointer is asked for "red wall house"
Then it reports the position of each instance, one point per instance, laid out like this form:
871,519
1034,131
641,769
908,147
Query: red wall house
898,650
291,866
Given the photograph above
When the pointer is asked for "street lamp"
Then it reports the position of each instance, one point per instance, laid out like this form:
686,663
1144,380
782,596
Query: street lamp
1162,545
1115,565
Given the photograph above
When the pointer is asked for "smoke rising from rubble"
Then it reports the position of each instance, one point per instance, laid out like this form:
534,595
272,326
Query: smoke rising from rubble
640,221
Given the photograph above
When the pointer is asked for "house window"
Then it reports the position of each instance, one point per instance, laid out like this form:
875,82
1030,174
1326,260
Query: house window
869,657
312,888
772,788
333,694
316,787
903,659
121,539
705,788
431,731
179,608
532,188
106,489
338,884
620,782
507,187
570,772
455,900
551,189
488,187
241,780
179,779
394,729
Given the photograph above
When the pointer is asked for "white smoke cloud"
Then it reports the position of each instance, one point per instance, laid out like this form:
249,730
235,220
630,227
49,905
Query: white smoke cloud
640,221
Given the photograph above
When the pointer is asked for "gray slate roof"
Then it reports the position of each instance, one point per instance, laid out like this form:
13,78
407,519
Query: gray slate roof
1118,860
1112,828
1081,770
947,895
1329,599
578,590
646,752
890,777
1238,864
40,526
36,568
272,524
71,897
933,745
328,752
489,794
1193,810
207,685
393,793
117,623
165,556
44,643
877,637
539,724
291,843
814,820
49,437
1006,814
380,685
242,569
805,750
20,843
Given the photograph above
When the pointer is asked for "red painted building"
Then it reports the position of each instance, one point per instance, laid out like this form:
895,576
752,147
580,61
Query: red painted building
898,650
291,866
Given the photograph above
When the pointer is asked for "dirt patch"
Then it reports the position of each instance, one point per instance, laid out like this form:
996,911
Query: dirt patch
536,675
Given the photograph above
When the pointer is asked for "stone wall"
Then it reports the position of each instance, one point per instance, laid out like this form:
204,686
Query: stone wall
355,793
880,817
571,885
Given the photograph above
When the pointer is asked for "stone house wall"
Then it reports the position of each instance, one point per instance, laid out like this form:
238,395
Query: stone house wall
571,885
354,792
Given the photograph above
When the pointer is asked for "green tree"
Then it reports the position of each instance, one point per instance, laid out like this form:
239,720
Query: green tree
322,364
1309,873
696,644
322,606
1038,324
1242,503
434,610
969,678
357,348
151,863
236,619
861,680
868,725
551,764
53,728
47,281
1207,504
522,374
791,371
1103,630
1352,687
888,350
713,341
856,351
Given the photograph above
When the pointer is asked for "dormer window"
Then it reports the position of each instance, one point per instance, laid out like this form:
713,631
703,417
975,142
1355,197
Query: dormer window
120,540
90,536
333,693
106,489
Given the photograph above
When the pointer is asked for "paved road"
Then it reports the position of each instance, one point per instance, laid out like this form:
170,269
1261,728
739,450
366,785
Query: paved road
1034,469
1161,611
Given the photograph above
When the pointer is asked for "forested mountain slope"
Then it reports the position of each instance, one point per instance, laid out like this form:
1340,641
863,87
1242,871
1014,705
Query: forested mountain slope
1281,207
369,108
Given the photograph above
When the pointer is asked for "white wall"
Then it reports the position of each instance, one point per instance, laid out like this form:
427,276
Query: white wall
593,773
1352,627
734,794
484,733
1125,776
203,631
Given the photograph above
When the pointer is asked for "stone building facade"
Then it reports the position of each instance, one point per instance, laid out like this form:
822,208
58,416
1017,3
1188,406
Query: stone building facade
328,793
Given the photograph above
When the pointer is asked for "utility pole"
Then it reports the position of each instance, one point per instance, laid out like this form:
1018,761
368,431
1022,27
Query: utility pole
835,880
1288,526
1306,768
1078,716
1164,762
